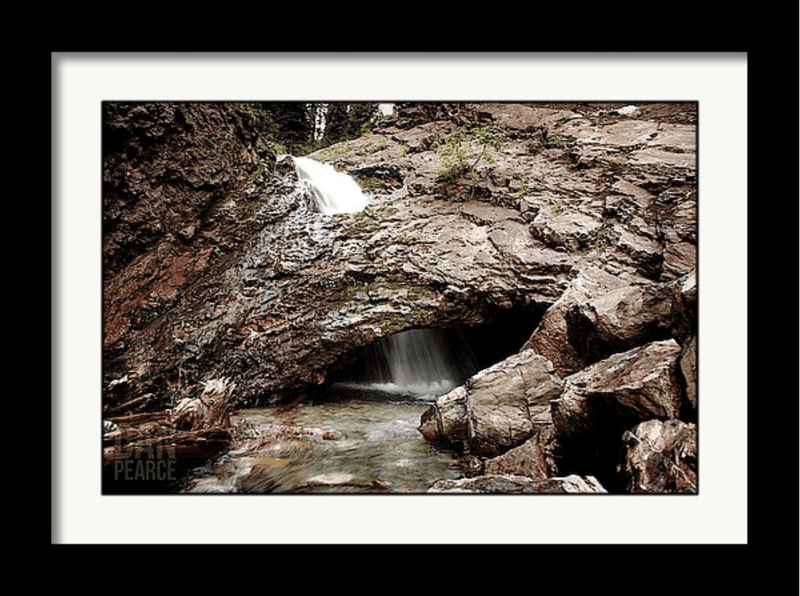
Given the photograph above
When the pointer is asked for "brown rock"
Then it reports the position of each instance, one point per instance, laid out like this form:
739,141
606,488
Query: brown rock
638,384
601,402
661,457
620,319
532,459
497,408
688,363
551,337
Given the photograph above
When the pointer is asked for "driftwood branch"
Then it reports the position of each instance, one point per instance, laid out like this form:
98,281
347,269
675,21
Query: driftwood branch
185,436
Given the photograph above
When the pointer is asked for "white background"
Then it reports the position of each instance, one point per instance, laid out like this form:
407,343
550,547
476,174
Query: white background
717,515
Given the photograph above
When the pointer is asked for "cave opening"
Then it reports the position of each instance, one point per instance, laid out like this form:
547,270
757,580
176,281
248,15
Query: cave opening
425,363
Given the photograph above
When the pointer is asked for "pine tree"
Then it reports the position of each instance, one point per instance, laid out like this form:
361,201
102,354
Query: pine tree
347,121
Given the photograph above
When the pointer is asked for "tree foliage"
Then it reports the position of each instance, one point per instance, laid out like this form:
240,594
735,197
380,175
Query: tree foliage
347,121
303,127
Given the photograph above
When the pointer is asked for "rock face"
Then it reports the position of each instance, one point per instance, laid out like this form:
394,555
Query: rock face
578,219
166,169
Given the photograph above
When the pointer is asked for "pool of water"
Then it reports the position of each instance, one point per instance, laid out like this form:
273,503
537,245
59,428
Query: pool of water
363,441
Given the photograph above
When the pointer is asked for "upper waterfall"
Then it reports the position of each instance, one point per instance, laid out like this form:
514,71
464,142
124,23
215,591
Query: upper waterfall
333,192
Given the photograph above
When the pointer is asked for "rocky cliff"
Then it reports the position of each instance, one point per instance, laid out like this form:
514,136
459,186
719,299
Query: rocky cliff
563,235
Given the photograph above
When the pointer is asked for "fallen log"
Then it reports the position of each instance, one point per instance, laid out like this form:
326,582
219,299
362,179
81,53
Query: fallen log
150,453
138,418
135,402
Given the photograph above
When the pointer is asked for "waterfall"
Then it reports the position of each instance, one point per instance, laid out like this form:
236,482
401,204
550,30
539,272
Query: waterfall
425,363
333,192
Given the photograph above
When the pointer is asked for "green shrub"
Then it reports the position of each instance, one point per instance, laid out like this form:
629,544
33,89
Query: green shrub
452,155
454,149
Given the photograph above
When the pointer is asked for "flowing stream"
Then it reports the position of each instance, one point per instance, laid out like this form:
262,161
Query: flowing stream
357,441
358,435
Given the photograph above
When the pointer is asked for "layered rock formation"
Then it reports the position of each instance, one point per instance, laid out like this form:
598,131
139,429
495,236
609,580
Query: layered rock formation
575,222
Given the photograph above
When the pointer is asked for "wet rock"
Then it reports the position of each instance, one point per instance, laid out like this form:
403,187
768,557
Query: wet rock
216,266
688,364
600,403
496,409
661,457
644,254
620,319
551,337
684,319
534,458
600,314
572,230
509,484
640,383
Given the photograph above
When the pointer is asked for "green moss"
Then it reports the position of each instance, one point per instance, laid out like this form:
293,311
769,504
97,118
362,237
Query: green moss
185,112
249,207
419,293
395,282
369,184
259,170
368,220
394,322
562,121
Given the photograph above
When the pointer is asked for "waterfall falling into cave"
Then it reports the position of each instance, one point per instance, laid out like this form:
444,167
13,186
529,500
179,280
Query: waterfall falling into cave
333,192
424,363
427,363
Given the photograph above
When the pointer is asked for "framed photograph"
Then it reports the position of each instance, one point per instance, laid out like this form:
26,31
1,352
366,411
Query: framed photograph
407,290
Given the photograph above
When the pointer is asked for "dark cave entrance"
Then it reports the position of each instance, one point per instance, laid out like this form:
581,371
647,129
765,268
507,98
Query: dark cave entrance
432,361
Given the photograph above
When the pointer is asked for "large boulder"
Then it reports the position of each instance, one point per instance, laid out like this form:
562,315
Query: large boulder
551,336
601,314
497,408
620,319
606,399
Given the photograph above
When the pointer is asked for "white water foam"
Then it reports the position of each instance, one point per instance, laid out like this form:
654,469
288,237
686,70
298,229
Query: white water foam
333,192
425,391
